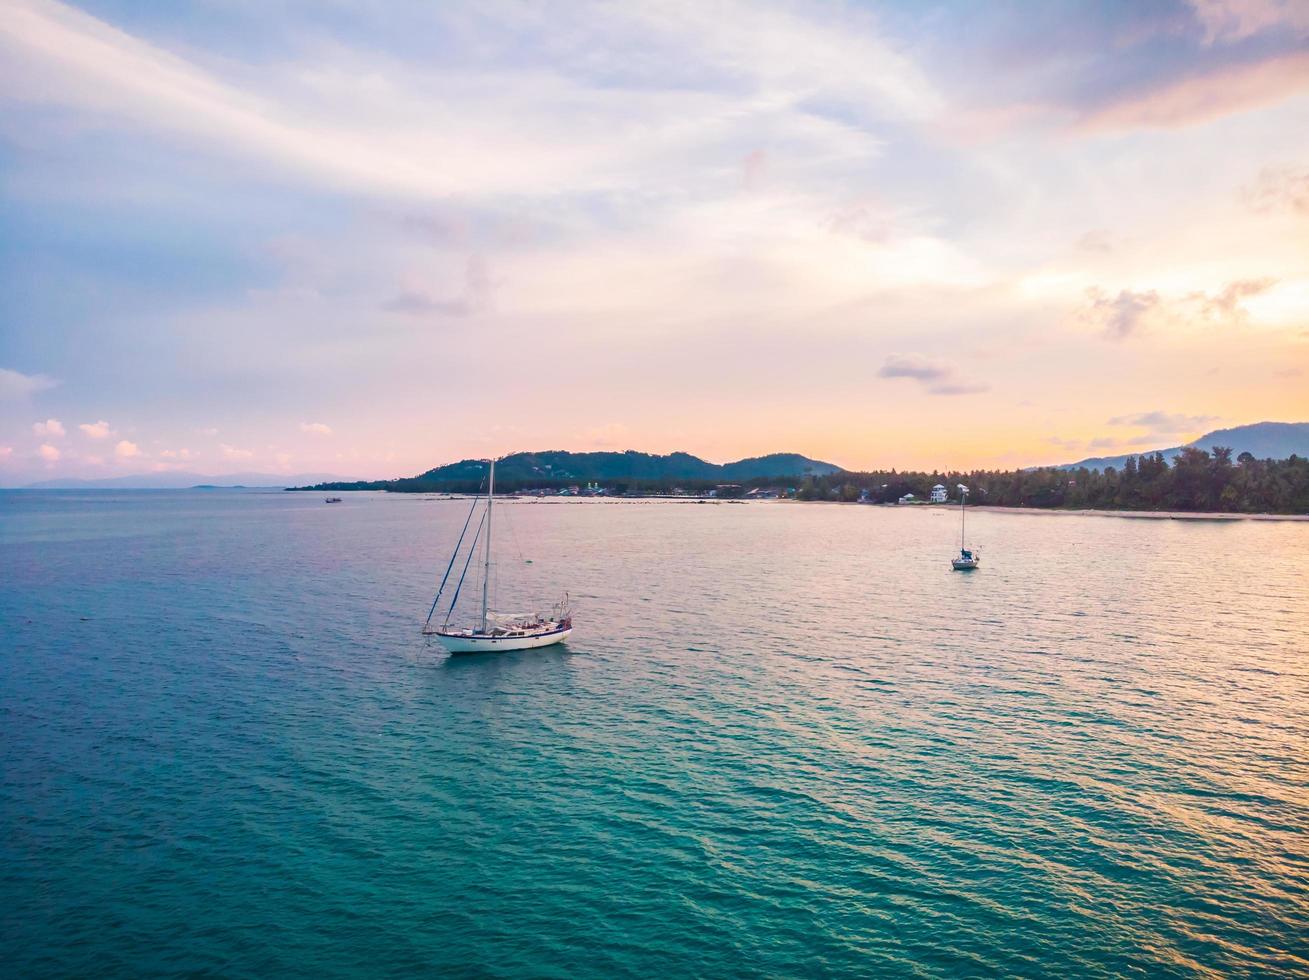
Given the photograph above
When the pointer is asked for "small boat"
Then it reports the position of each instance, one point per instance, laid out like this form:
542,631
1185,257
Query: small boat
495,633
968,559
332,500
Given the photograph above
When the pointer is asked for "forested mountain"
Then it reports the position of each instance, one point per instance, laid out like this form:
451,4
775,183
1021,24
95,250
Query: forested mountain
629,469
1262,440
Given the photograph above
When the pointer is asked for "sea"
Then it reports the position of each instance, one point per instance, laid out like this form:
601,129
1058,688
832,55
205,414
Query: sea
784,740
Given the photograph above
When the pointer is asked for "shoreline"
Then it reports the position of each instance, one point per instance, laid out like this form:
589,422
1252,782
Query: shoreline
1146,515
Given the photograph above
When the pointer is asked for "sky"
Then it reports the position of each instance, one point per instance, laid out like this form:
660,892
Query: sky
338,236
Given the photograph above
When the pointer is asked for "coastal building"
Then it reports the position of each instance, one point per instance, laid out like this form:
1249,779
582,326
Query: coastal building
938,494
908,499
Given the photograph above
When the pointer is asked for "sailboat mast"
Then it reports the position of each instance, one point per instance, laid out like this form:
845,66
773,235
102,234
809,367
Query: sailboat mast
963,499
486,571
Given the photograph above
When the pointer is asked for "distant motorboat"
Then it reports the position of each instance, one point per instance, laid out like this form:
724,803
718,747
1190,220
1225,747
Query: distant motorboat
332,500
968,559
496,632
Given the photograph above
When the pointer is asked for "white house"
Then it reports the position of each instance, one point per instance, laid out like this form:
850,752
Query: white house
938,494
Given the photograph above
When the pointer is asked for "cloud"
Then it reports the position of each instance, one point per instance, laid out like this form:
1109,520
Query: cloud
959,388
1220,91
316,428
937,378
1124,67
1130,312
6,452
1120,316
1236,20
49,453
1225,306
913,366
96,430
126,450
233,452
208,431
1280,189
421,304
15,385
607,99
475,298
176,453
1096,241
1165,424
50,428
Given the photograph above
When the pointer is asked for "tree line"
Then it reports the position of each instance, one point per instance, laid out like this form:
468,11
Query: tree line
1196,480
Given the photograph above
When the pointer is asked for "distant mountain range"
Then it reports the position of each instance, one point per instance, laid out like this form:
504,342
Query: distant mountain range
556,468
1263,440
182,481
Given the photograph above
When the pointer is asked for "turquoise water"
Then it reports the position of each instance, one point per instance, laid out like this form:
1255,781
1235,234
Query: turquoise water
784,740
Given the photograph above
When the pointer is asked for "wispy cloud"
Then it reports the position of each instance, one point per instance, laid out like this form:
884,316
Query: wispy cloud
936,377
1160,66
1202,97
475,297
316,428
96,430
441,131
1280,189
1164,425
234,452
1121,316
49,453
1130,312
1236,20
15,385
421,304
1225,305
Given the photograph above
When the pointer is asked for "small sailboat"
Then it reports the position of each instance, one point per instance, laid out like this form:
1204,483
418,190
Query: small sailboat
968,559
494,633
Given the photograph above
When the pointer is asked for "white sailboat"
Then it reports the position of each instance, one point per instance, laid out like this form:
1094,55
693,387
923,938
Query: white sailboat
968,559
494,633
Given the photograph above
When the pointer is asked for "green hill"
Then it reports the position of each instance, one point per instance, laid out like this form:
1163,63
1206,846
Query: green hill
630,469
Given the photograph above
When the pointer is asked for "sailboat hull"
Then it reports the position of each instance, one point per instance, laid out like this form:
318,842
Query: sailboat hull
473,643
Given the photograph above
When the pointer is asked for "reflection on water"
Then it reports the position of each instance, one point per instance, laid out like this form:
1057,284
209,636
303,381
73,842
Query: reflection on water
783,739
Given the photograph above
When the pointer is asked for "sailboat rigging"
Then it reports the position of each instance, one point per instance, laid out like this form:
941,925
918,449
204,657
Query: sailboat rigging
968,559
493,633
